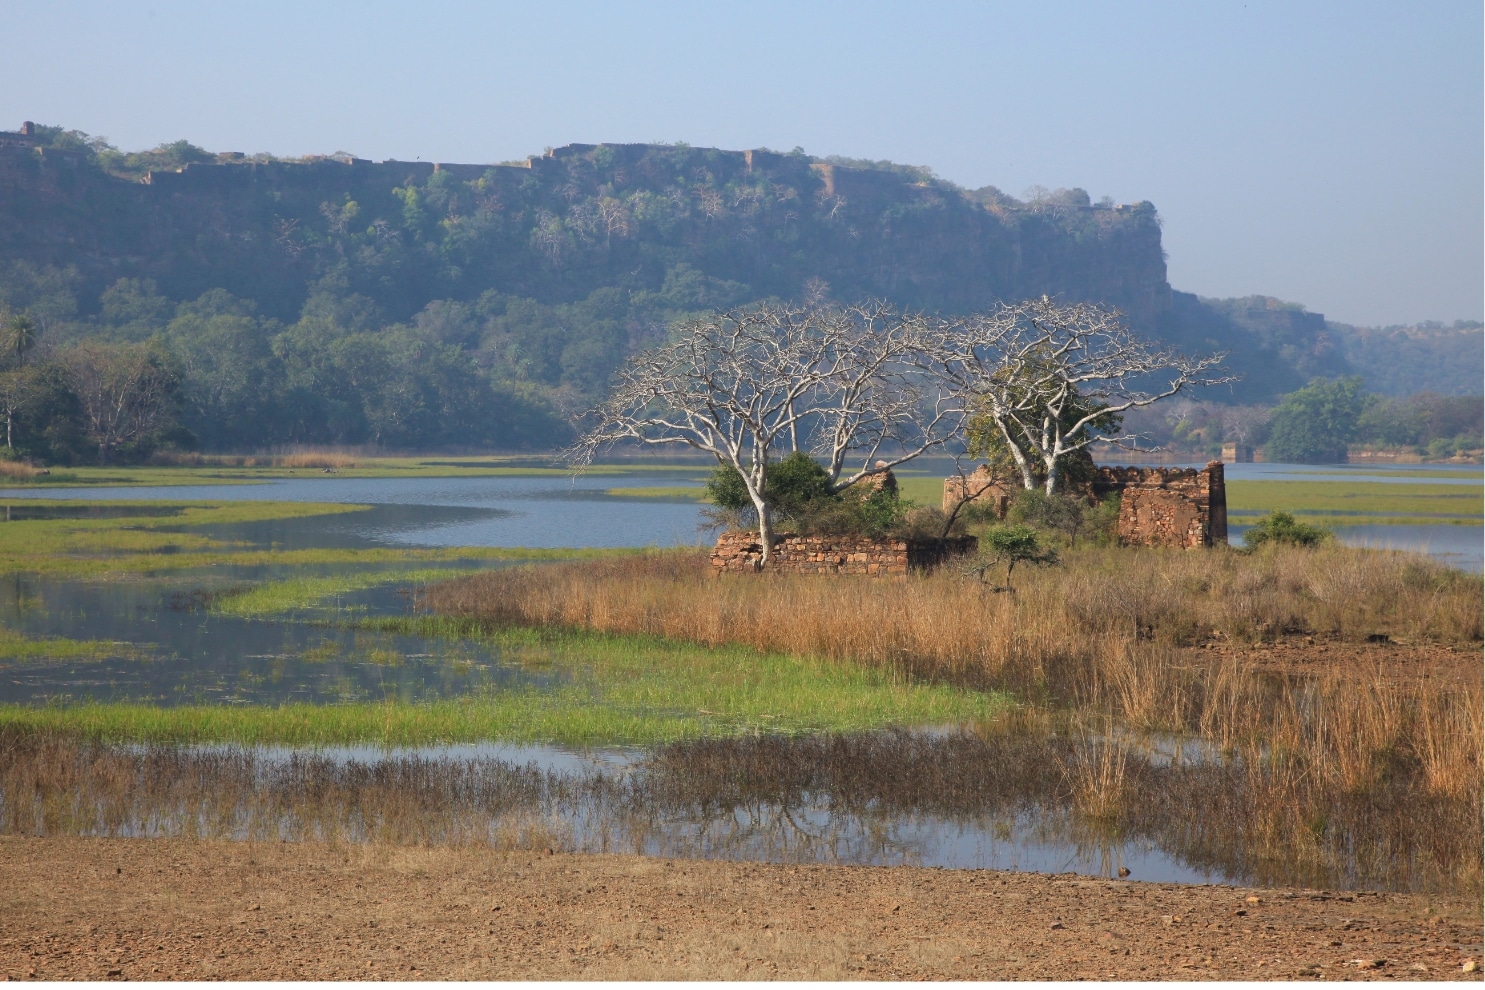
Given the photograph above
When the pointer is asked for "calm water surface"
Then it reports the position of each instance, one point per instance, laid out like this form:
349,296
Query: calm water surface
173,651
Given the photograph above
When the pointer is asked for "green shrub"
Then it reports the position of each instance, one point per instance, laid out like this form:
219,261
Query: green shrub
1281,527
1011,545
1061,513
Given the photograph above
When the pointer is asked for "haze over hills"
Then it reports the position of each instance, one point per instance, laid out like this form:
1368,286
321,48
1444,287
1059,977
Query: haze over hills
508,293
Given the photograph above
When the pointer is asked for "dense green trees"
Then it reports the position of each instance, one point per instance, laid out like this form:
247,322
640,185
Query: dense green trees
331,301
1314,424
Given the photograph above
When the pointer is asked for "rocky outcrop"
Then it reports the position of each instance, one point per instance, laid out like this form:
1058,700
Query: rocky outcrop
559,226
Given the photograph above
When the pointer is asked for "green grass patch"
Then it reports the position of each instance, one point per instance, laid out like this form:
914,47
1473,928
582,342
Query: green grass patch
608,690
19,648
222,471
694,492
155,544
1364,469
1380,501
84,546
304,593
921,490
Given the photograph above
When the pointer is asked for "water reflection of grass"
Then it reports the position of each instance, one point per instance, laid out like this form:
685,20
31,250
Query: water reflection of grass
616,690
799,798
302,593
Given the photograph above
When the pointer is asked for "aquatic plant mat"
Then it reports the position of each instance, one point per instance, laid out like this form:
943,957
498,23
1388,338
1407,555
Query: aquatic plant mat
879,798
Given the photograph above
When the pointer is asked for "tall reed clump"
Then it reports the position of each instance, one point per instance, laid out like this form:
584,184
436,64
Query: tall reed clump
1109,635
331,460
19,471
1102,604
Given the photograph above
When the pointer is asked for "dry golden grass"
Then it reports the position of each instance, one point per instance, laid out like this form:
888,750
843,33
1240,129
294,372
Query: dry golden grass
310,458
322,459
15,470
1114,609
1110,636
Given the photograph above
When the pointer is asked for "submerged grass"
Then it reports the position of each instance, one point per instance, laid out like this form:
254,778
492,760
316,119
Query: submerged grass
603,690
799,798
16,647
303,593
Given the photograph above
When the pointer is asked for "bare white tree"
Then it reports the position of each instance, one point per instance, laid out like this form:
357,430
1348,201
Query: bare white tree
125,390
1244,423
743,385
1047,378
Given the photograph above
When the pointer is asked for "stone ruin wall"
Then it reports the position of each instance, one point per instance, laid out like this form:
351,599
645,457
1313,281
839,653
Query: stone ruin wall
979,486
1168,507
1160,507
740,553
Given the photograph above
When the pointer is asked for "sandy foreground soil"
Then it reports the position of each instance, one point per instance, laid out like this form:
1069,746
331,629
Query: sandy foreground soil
179,909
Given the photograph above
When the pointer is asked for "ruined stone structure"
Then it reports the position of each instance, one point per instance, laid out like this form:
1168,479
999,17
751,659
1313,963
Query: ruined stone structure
1160,507
1237,453
1168,507
882,480
979,486
740,553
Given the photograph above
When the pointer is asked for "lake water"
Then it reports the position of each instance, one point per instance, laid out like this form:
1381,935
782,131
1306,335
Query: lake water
174,651
576,512
443,512
170,650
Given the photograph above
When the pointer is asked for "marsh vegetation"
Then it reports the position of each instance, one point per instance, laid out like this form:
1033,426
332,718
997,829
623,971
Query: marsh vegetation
1137,641
1124,708
888,797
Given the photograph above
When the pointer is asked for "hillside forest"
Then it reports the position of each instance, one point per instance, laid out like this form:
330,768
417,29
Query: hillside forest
181,299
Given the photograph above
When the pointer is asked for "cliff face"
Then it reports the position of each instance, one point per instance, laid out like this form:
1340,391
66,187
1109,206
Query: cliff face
557,227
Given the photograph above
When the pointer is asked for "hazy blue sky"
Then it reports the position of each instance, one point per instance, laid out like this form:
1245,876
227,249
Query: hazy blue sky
1325,153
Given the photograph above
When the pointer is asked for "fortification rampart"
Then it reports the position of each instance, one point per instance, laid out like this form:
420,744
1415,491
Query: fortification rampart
742,553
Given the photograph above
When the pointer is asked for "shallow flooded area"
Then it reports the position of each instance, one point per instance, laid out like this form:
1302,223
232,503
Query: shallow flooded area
955,799
161,642
925,774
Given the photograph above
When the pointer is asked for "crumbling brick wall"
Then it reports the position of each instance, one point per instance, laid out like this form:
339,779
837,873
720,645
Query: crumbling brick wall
1168,507
981,486
739,553
1161,507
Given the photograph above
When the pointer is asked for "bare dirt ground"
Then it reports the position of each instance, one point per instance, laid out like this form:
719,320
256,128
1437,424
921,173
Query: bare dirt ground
179,909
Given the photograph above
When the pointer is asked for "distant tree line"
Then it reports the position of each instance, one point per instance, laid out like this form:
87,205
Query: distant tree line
482,309
1320,422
